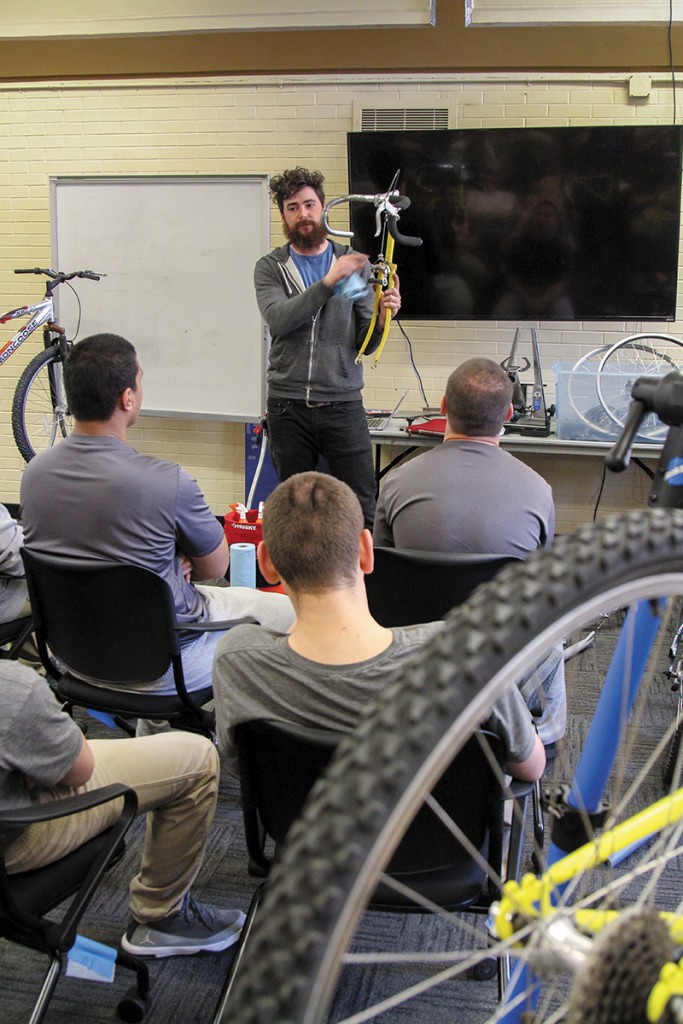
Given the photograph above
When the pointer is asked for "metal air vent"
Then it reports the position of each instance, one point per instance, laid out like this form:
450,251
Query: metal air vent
382,119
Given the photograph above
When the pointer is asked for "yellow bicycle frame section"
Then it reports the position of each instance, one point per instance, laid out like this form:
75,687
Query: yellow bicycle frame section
388,273
669,986
532,898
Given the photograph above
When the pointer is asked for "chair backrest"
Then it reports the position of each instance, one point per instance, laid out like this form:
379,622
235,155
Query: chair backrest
104,620
279,763
407,587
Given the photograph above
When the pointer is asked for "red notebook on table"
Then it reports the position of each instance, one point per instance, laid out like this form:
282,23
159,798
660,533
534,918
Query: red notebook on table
435,426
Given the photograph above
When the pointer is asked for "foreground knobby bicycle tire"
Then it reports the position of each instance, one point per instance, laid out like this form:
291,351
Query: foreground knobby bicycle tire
381,774
40,415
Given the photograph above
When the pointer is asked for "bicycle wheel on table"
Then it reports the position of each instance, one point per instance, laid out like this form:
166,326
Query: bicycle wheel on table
311,930
639,355
582,394
40,414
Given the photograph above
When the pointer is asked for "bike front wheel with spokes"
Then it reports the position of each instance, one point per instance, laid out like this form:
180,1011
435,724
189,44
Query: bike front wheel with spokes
40,413
311,933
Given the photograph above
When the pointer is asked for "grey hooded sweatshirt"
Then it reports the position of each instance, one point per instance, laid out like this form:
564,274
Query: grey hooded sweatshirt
315,333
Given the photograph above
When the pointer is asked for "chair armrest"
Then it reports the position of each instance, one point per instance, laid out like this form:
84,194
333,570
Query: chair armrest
61,934
212,627
71,805
519,789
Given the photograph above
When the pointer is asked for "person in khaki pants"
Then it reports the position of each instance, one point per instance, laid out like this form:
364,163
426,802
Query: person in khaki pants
44,756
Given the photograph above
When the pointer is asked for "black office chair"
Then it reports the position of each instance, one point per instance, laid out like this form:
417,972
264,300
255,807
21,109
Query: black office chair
278,764
407,587
28,897
101,625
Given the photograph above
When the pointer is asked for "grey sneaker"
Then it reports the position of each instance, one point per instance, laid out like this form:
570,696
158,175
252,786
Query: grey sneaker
195,928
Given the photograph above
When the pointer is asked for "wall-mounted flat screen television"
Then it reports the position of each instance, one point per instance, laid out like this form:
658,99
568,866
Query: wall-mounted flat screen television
528,223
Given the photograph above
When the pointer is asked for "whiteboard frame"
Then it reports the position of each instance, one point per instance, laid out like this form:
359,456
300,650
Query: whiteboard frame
220,373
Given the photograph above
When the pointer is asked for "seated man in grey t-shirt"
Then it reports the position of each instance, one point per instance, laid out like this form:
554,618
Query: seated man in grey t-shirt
44,757
94,496
336,657
469,495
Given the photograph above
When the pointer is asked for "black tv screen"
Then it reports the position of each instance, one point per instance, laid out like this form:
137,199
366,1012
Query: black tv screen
528,223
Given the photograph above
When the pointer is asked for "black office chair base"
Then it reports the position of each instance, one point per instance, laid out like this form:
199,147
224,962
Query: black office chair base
132,1008
137,1000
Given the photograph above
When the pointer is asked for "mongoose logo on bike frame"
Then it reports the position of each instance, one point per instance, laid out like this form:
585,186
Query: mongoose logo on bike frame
14,344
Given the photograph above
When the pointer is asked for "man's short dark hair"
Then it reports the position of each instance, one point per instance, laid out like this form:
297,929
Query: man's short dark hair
284,186
311,526
478,396
96,373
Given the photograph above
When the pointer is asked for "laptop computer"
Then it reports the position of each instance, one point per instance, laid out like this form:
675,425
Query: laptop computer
378,419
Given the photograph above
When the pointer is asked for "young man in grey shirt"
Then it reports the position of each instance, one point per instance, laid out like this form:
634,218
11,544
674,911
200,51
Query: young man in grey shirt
336,657
94,496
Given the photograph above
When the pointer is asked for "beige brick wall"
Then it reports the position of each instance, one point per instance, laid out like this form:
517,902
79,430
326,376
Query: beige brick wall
261,126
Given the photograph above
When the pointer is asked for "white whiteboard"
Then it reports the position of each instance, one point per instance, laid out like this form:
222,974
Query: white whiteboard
179,255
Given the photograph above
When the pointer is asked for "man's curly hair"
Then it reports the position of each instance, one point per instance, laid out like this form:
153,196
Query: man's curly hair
284,185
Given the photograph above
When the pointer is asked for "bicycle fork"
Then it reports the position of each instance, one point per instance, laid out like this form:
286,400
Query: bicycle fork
55,373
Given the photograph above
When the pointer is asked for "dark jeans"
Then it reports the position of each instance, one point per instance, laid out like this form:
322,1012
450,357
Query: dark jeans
299,436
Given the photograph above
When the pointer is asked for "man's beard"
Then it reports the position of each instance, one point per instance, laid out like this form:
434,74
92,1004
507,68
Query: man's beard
311,238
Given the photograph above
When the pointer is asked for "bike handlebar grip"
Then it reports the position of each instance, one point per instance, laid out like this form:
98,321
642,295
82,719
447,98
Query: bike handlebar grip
618,457
30,270
666,396
392,221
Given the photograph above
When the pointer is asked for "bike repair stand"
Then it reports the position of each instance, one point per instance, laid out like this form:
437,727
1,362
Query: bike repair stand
533,418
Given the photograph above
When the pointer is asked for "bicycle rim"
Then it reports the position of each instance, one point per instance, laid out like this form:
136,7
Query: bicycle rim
312,913
40,414
641,355
582,394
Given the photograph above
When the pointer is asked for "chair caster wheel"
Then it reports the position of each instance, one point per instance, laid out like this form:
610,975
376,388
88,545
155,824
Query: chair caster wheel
485,970
133,1007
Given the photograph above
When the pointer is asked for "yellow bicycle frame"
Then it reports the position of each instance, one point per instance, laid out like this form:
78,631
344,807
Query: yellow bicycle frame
389,272
533,897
